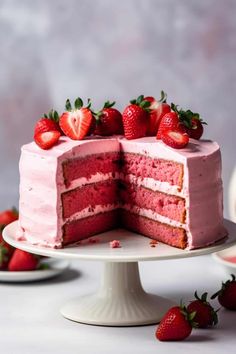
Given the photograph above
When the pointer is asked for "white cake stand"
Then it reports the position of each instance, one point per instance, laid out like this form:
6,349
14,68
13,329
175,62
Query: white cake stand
121,300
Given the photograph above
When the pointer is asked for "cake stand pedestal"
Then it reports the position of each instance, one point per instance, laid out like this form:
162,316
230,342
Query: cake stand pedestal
121,300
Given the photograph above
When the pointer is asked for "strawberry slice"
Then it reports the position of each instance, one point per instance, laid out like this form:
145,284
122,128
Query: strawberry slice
46,140
75,123
175,138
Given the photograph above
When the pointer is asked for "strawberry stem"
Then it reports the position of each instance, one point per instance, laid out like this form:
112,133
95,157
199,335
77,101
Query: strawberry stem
141,102
186,117
68,106
163,98
78,103
53,115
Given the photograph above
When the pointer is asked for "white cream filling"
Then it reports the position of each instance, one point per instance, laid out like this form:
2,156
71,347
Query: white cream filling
86,212
98,177
133,209
153,215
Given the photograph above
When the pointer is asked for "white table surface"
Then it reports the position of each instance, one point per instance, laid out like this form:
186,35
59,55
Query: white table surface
30,321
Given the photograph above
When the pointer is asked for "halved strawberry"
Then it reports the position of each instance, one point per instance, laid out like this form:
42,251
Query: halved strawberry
170,121
175,138
48,123
46,140
75,123
157,110
187,121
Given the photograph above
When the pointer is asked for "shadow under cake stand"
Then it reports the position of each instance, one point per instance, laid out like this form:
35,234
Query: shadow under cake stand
121,300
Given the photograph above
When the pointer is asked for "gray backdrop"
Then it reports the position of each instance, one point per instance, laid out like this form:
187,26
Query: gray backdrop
108,49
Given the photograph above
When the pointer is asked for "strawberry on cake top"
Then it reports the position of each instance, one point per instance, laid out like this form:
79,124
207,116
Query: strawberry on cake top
167,187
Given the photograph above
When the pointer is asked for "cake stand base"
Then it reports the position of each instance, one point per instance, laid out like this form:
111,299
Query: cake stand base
120,301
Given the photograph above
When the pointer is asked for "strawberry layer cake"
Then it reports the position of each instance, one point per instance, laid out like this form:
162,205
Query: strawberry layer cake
80,189
165,187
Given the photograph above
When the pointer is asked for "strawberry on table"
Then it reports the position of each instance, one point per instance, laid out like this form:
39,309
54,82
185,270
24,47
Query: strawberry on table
158,108
108,120
22,261
136,118
205,316
8,216
175,138
227,294
46,140
76,122
176,324
6,251
48,123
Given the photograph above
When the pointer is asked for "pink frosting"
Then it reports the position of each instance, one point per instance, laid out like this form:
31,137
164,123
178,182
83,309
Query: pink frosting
41,184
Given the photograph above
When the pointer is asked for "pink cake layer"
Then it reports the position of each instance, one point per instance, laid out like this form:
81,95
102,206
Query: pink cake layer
85,166
86,227
101,193
167,205
158,169
173,236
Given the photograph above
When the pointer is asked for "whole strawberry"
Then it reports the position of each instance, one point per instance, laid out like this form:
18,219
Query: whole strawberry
158,108
205,316
7,216
108,120
22,261
136,118
227,294
196,130
76,122
176,324
5,253
48,123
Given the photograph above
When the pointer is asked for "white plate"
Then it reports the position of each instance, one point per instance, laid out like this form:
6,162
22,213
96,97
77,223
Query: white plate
134,248
55,267
219,257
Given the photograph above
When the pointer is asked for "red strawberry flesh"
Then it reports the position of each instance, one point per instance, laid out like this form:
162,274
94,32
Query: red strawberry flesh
76,124
48,139
175,139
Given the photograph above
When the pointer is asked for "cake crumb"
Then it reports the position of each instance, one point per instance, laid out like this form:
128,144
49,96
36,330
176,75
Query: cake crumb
152,245
153,242
94,240
115,244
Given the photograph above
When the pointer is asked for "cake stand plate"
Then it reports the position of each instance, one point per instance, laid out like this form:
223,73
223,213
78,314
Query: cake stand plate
121,300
